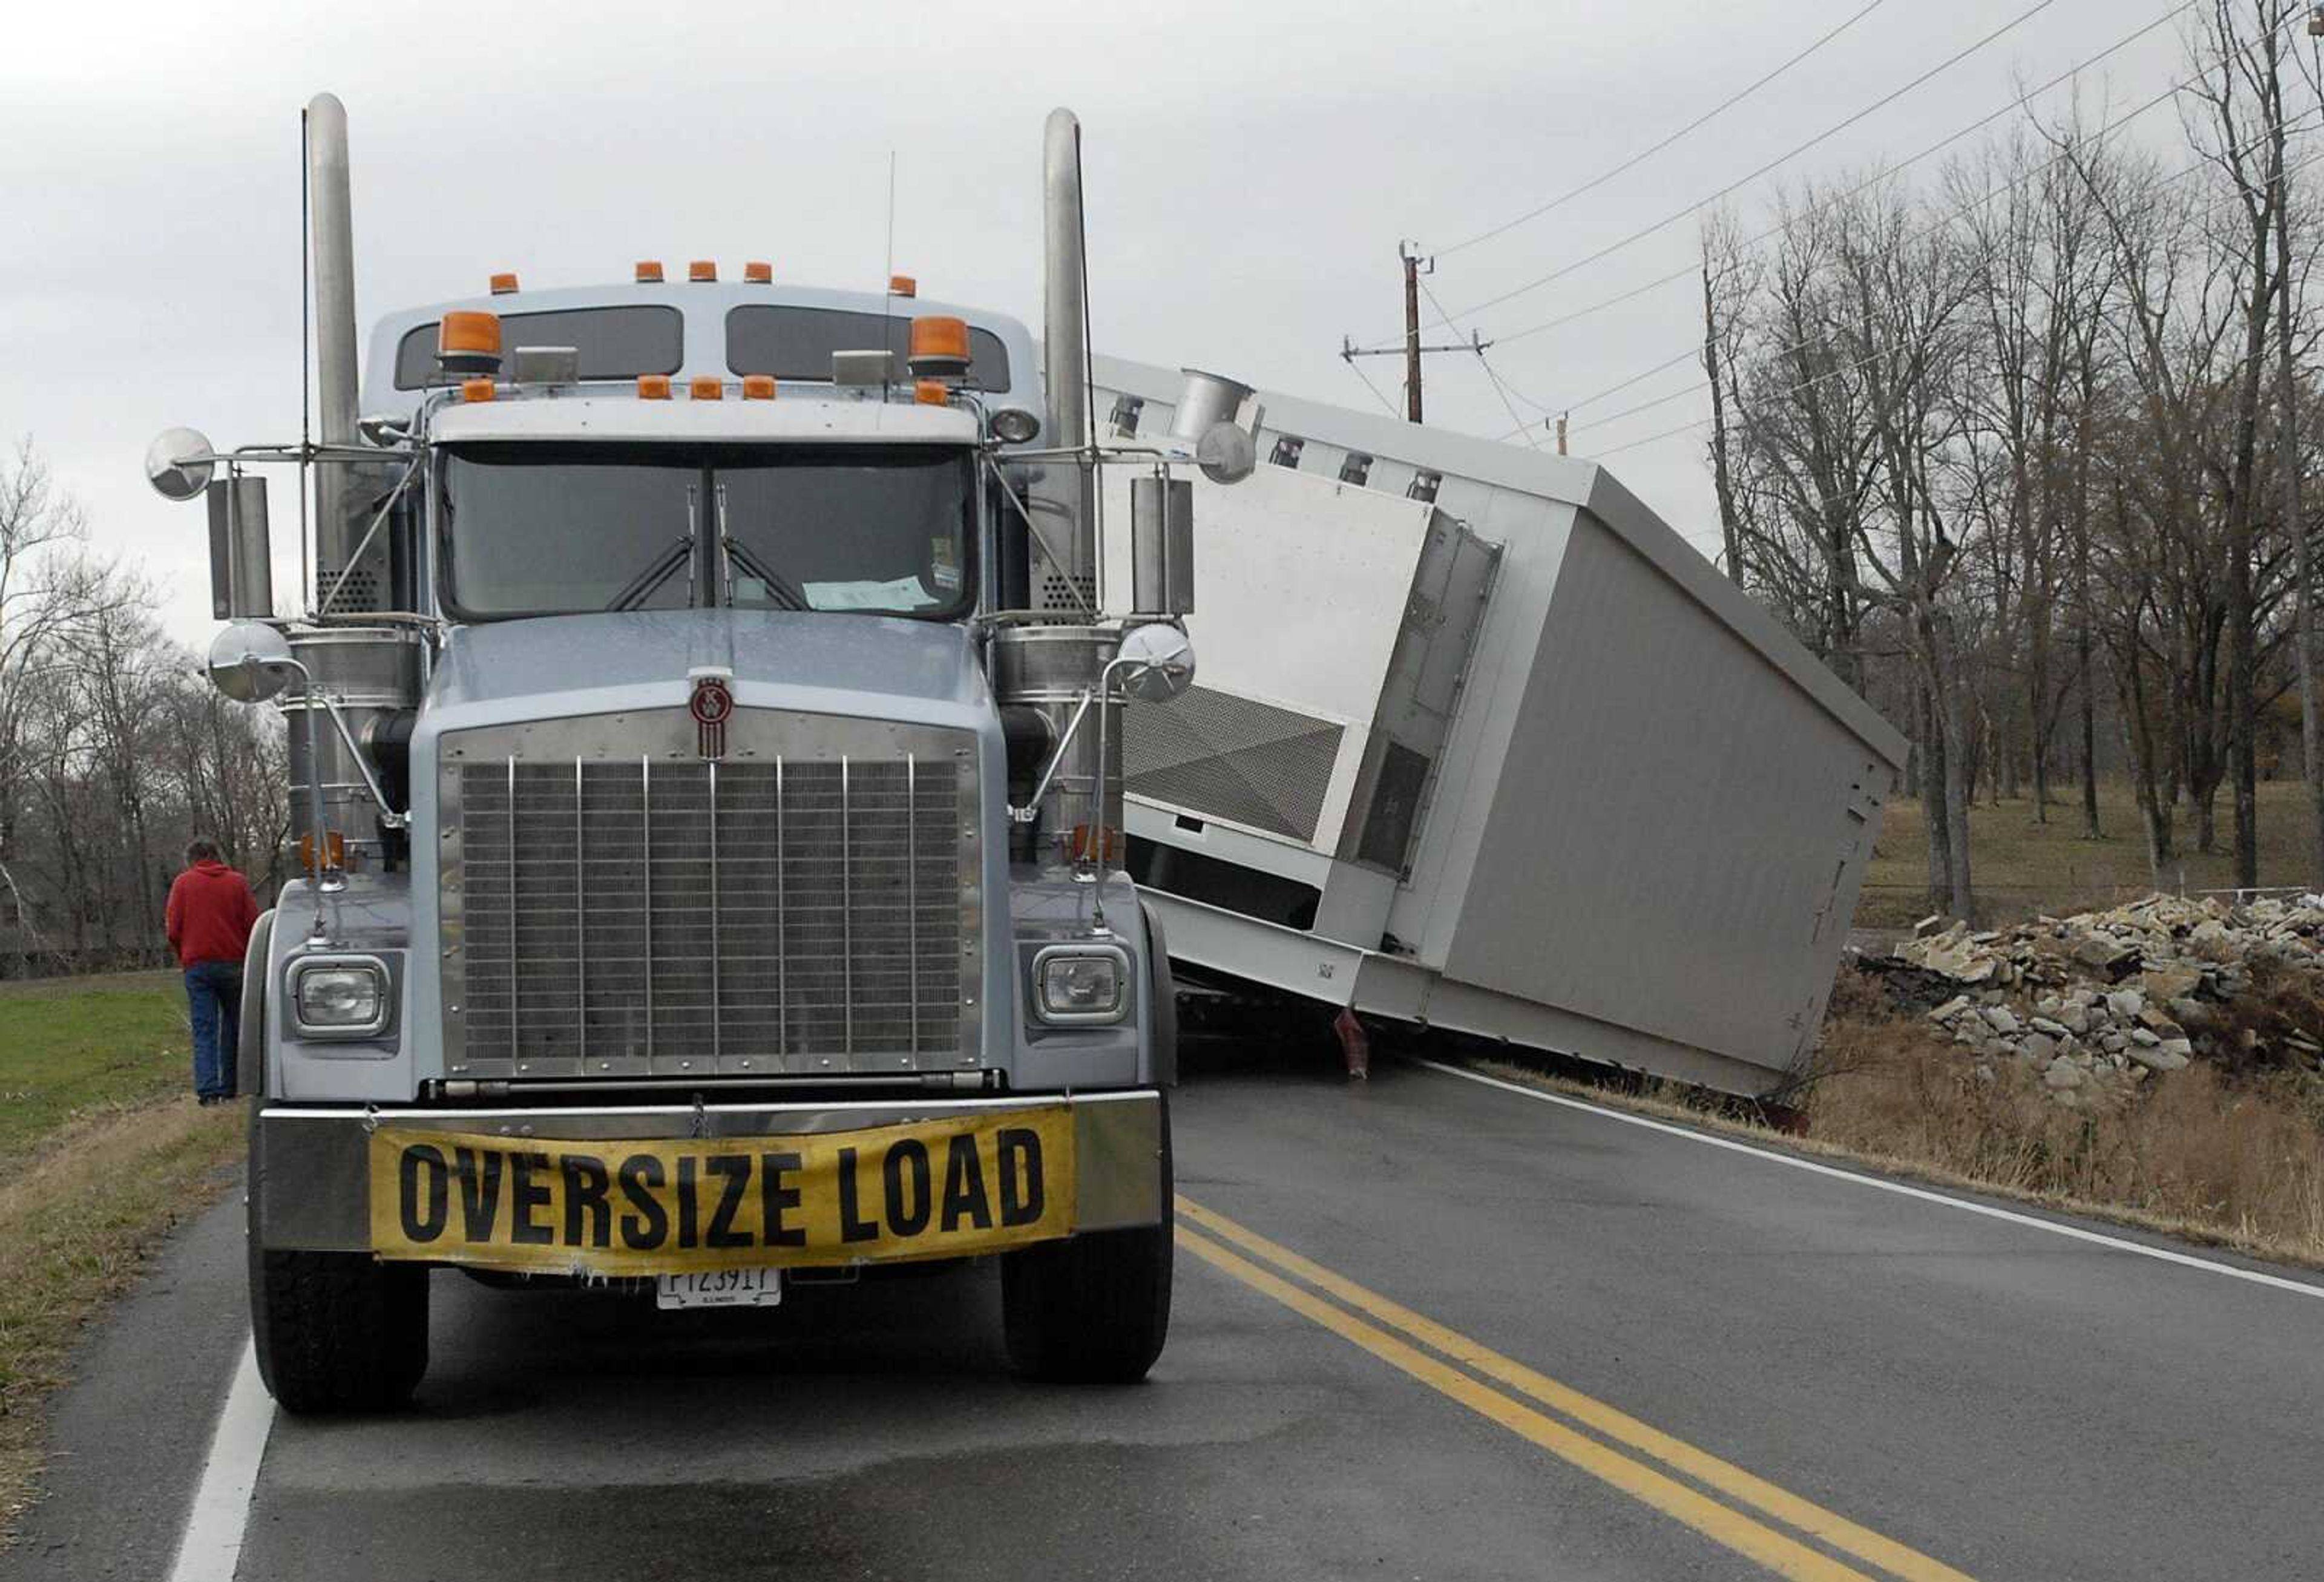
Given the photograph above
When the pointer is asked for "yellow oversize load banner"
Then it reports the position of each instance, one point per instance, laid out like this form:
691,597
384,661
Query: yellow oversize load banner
934,1188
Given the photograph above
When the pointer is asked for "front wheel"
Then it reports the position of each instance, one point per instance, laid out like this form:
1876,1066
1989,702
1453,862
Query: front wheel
337,1331
1094,1308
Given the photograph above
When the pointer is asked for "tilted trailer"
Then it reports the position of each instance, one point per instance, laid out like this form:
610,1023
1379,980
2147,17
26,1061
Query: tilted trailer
1480,743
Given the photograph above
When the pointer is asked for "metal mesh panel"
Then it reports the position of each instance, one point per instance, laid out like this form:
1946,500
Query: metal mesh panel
666,917
1229,758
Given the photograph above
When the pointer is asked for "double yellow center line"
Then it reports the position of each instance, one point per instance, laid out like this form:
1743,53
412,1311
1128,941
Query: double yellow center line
1397,1336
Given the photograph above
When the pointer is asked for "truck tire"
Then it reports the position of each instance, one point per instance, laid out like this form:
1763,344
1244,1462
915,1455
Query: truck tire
1094,1308
334,1331
338,1332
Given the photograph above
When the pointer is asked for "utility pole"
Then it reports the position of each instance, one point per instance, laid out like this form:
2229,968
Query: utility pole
1411,329
1415,264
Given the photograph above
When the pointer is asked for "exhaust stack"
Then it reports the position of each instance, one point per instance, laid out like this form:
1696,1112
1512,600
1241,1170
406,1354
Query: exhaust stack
1069,586
334,252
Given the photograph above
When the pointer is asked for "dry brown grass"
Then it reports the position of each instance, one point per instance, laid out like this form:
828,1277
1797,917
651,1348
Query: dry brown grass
2239,1158
2235,1161
79,1214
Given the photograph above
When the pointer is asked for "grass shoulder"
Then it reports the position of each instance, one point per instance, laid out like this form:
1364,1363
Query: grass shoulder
103,1152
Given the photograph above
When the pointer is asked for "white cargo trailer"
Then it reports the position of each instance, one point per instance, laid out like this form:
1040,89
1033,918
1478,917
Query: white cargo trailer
1479,742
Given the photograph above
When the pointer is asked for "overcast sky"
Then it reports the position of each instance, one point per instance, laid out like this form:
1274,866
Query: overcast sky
1252,168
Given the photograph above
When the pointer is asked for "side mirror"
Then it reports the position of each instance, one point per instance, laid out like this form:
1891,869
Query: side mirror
177,464
250,661
1161,546
242,579
1226,453
1157,663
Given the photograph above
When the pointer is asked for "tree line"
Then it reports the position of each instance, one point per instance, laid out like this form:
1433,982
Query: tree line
2025,452
114,750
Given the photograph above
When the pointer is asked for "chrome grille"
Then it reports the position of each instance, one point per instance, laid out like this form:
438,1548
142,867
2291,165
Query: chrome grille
660,915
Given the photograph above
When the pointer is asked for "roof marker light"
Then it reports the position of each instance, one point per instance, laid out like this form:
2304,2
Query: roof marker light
477,389
650,272
758,387
758,274
939,346
653,387
931,393
707,388
703,271
503,283
468,341
903,286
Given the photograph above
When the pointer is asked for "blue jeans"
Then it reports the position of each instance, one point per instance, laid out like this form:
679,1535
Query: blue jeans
214,995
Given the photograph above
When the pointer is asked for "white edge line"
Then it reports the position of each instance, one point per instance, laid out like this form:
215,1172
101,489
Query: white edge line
2075,1232
211,1547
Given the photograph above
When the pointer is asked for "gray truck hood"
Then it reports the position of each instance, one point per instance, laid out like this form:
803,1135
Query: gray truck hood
867,666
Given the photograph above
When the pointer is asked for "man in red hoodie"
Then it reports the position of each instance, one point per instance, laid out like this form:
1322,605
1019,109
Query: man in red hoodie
210,916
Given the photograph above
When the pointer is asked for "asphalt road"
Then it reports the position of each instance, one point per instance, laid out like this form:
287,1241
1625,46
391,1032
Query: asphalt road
1425,1329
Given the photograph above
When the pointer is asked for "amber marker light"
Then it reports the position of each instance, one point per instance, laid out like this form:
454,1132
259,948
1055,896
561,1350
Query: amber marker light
758,387
702,271
931,393
650,272
758,274
903,286
707,388
503,283
477,389
653,387
935,335
468,332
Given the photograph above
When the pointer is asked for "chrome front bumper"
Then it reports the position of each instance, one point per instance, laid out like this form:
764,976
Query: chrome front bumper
310,1171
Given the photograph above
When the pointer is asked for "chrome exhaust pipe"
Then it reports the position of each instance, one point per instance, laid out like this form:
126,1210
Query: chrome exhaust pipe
333,251
1064,361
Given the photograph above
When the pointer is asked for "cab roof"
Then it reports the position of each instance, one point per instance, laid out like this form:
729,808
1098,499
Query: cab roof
605,416
704,312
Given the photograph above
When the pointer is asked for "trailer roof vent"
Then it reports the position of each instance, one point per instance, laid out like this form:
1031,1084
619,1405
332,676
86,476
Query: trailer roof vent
1424,485
1356,469
1288,452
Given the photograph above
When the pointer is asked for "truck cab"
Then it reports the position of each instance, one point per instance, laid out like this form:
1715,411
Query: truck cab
705,754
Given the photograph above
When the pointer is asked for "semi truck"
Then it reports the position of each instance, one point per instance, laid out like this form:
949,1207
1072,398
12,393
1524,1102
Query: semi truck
707,700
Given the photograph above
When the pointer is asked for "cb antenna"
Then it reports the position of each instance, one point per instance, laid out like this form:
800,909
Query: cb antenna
888,329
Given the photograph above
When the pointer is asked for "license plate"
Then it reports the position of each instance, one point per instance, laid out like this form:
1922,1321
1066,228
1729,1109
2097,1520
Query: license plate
720,1288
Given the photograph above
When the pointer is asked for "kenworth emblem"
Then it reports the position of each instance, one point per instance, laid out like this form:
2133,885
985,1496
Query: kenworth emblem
712,703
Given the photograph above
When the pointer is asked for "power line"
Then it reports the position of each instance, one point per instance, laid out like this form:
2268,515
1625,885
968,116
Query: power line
1972,207
1485,364
1378,394
1635,160
1607,250
1886,174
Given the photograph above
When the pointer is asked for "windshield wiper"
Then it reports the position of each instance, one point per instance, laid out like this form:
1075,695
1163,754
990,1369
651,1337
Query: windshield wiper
731,553
641,587
785,594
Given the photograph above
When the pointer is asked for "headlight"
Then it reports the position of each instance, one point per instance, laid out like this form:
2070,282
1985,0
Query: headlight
1015,424
1082,983
340,997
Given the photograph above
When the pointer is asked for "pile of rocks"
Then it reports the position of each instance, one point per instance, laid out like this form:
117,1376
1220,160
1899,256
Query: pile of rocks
2106,999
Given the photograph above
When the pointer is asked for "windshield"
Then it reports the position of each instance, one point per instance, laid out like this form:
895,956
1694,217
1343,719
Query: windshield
534,530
